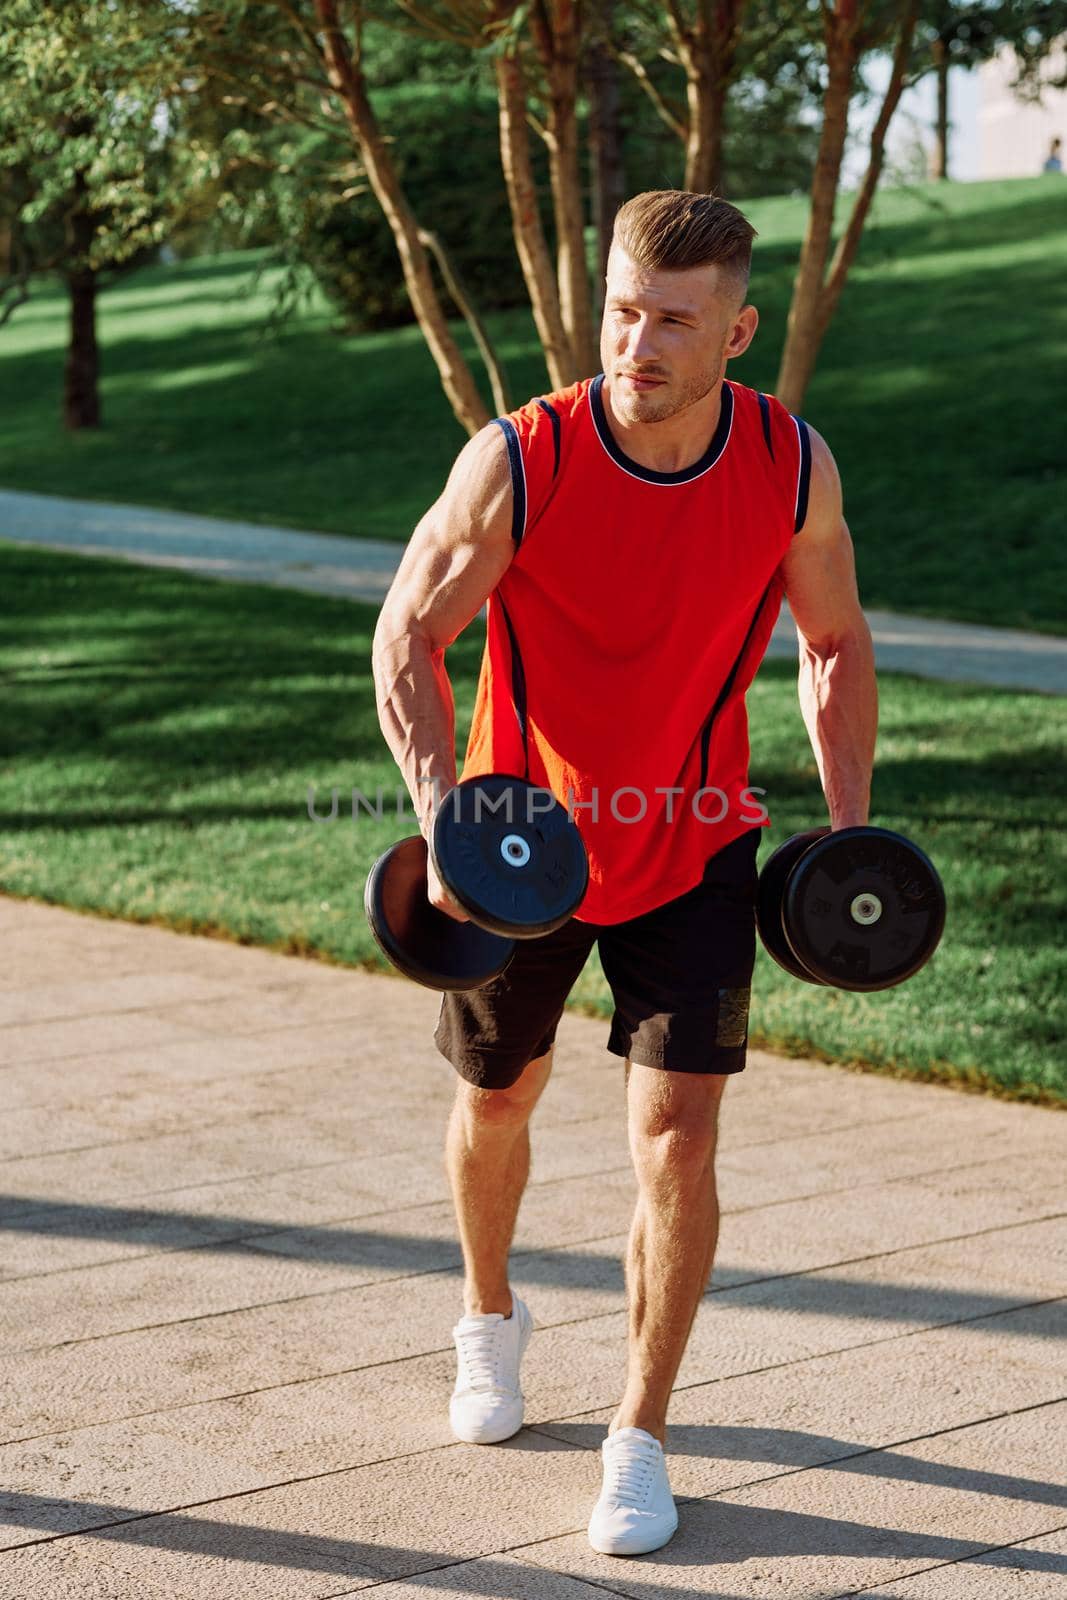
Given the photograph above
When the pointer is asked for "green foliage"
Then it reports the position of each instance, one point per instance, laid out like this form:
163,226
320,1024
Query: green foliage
973,30
771,127
79,131
445,148
943,412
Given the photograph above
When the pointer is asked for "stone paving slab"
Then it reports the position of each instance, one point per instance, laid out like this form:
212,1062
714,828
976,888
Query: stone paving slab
231,1274
1034,1568
362,569
831,1532
573,1363
118,1295
825,1411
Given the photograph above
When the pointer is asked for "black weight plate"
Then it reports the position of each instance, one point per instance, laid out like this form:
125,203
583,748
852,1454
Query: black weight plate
857,873
770,897
424,943
511,855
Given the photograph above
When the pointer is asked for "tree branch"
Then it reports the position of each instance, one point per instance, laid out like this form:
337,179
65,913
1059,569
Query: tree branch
465,306
640,72
848,244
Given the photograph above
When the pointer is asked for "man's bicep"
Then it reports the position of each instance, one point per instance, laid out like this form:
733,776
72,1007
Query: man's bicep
819,570
460,549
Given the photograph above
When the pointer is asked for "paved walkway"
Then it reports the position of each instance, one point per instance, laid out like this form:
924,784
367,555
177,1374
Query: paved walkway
230,1276
362,569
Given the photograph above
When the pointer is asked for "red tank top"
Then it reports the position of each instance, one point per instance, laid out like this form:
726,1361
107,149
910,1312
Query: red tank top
627,629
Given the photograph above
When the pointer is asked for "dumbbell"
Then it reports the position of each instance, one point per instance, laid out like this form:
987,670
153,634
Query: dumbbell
862,908
511,856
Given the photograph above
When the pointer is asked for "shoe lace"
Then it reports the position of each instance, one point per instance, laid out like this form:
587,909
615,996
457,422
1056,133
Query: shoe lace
628,1468
480,1352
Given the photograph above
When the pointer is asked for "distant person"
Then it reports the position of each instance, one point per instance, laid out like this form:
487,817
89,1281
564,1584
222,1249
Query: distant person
1054,159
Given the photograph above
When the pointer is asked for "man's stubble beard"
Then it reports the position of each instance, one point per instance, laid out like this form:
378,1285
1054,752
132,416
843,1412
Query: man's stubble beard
654,406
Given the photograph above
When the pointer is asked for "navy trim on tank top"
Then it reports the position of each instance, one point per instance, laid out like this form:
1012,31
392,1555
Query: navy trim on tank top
634,468
518,682
804,475
765,418
553,416
705,732
518,479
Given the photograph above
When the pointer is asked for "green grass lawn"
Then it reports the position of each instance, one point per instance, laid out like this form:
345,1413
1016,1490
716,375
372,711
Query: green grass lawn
162,732
939,389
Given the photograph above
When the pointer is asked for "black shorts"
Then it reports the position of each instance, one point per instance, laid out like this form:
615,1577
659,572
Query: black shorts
680,977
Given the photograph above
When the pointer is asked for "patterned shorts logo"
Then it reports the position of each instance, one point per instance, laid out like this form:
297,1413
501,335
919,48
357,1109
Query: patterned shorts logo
732,1029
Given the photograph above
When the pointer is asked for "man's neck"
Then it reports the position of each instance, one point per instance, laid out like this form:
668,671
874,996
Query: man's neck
673,444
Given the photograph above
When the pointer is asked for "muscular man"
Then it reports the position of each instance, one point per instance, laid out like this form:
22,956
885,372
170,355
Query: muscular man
633,535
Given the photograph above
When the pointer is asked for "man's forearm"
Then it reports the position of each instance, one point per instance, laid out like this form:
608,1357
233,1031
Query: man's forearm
416,712
839,703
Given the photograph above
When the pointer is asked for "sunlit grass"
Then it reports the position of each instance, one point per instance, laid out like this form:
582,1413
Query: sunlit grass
161,735
939,388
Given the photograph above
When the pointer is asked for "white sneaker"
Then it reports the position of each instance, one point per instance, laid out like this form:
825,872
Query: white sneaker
635,1512
486,1404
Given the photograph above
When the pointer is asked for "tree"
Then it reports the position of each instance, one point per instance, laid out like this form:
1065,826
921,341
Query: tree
86,169
851,29
607,179
717,47
304,62
543,286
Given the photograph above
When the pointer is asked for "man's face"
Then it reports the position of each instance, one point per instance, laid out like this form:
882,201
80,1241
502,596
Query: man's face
666,336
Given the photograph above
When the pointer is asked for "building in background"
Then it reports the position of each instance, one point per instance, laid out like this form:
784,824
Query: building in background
1014,135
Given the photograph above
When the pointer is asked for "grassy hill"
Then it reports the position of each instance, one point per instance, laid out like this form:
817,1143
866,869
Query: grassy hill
939,389
162,732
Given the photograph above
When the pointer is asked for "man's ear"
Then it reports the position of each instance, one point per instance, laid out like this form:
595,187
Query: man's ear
743,331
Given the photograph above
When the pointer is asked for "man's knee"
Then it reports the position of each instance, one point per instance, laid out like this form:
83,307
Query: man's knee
673,1116
510,1106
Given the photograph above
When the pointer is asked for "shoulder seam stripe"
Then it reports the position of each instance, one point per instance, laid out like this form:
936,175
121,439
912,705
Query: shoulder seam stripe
553,416
765,418
518,479
803,475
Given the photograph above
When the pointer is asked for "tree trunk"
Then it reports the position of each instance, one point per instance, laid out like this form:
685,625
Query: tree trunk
703,145
81,392
605,149
939,157
802,329
461,299
848,244
708,51
564,167
346,77
530,241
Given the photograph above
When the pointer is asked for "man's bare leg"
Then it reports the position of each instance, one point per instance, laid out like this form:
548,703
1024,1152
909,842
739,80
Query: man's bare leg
487,1158
673,1119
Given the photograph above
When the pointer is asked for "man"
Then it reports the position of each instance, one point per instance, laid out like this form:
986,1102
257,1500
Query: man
633,536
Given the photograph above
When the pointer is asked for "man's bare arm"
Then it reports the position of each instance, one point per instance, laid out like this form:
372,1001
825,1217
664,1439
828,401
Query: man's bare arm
457,555
837,687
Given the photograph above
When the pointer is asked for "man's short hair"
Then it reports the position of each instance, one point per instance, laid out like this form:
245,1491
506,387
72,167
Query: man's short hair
672,229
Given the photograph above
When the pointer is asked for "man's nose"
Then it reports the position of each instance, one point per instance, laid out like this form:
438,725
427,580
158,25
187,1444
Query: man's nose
641,345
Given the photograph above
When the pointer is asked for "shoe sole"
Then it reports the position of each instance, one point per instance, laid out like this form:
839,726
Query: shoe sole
640,1547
